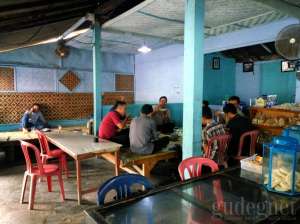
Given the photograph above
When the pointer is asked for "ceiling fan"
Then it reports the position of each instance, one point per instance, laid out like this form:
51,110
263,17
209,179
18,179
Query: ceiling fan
287,44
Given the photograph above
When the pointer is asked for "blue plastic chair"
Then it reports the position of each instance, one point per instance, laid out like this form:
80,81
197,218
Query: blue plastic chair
121,184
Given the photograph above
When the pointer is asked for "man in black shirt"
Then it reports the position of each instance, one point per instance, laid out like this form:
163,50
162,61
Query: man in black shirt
237,125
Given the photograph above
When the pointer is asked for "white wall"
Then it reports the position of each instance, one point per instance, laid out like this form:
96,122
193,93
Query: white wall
159,73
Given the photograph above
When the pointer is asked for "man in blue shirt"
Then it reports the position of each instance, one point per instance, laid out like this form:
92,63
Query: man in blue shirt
33,118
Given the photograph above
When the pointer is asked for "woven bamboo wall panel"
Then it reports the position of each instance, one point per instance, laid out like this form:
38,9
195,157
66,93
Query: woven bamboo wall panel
7,80
55,106
124,82
110,98
70,80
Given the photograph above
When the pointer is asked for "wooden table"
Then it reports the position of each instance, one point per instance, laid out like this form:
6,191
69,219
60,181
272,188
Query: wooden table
11,136
9,139
81,147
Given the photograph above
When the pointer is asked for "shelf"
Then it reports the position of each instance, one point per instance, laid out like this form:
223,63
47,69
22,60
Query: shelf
266,126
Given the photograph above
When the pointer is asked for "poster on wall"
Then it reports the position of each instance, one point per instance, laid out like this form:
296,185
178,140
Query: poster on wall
248,66
216,63
288,66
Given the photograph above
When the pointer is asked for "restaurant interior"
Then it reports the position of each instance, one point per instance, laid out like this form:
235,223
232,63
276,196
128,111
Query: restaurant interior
149,111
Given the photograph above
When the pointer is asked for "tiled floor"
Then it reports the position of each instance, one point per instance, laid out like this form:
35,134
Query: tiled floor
48,207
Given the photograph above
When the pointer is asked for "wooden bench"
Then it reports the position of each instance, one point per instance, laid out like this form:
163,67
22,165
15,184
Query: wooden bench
140,164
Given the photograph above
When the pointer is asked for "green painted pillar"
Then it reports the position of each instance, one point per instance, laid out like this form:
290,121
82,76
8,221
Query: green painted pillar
97,69
193,77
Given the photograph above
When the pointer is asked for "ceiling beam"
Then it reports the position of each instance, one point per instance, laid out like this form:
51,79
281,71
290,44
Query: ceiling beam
30,5
18,24
42,22
282,6
128,12
161,18
89,17
110,9
45,10
141,35
267,48
107,7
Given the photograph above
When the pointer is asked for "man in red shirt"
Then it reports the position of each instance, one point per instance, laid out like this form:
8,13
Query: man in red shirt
113,128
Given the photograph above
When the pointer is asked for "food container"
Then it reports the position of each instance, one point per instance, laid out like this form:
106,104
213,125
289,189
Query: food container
252,164
281,166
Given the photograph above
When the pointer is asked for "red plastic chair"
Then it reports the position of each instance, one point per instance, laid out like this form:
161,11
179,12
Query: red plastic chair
36,171
253,140
194,166
47,154
223,143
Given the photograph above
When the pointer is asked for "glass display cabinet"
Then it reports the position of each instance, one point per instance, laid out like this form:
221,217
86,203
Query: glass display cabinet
281,165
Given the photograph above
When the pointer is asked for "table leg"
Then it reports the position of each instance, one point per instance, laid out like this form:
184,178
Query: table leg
117,162
78,174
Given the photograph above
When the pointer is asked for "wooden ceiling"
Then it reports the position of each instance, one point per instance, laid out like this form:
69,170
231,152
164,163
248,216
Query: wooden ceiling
25,23
260,52
24,14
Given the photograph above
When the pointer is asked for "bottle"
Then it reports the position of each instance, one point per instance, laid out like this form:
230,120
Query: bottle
90,126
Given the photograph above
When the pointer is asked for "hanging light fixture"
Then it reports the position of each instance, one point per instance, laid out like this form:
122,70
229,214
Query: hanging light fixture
144,49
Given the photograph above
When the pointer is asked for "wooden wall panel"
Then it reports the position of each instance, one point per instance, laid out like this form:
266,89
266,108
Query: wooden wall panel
7,80
124,82
109,98
55,106
70,80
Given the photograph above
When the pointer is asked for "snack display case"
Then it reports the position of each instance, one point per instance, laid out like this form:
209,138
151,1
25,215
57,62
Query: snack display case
281,166
274,120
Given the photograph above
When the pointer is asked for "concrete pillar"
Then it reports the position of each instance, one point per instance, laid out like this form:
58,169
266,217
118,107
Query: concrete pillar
193,77
97,69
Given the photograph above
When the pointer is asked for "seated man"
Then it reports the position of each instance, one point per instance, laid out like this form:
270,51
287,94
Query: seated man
143,136
33,118
205,109
114,107
235,100
162,116
113,128
205,103
237,125
211,129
